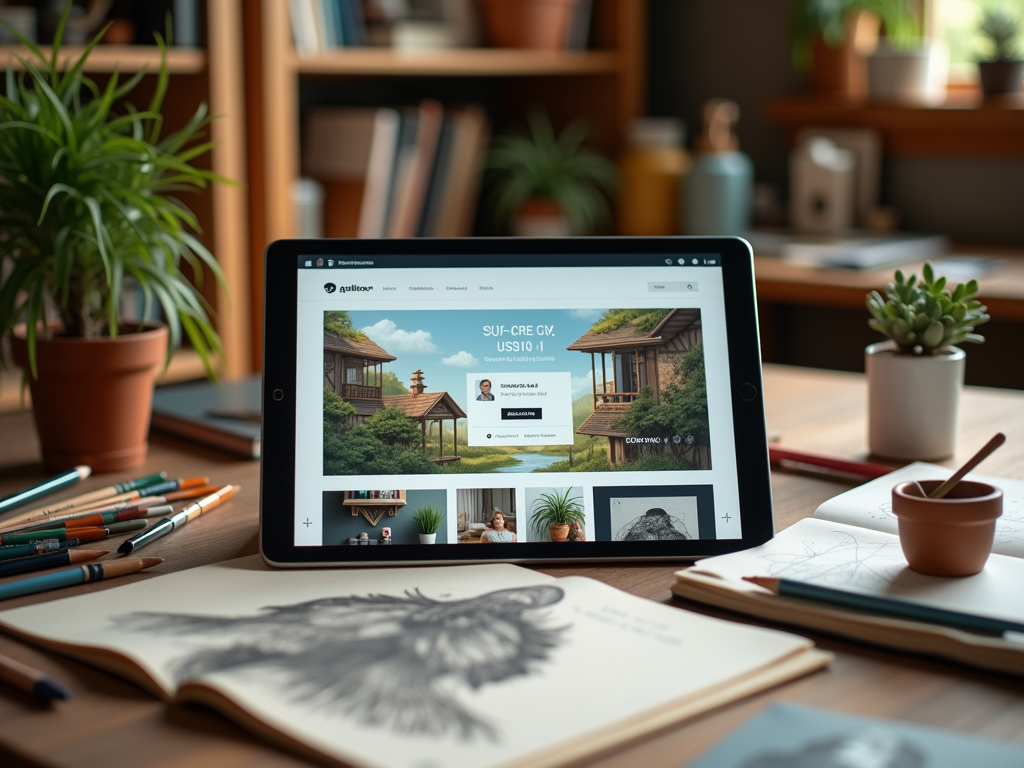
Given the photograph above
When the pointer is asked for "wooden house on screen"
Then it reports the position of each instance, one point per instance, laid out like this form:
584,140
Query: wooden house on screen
354,370
624,361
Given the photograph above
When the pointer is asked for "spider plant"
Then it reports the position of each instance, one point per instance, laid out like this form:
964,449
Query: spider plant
87,203
555,509
541,165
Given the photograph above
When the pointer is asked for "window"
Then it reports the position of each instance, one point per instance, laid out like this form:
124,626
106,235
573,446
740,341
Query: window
956,23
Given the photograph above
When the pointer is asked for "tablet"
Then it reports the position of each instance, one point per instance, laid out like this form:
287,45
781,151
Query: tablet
524,400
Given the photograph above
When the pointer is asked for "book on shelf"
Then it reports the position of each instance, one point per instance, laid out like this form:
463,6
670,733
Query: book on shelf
397,173
224,416
869,562
419,666
325,25
789,736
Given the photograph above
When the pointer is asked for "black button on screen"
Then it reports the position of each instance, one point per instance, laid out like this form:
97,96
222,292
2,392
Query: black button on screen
748,391
515,414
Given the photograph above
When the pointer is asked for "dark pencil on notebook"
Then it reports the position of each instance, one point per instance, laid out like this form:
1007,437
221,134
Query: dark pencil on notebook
31,681
49,560
889,606
73,576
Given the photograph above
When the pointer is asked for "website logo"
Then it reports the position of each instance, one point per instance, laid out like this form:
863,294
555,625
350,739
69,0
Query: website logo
354,288
330,287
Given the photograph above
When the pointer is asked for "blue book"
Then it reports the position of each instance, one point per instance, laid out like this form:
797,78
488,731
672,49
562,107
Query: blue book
789,736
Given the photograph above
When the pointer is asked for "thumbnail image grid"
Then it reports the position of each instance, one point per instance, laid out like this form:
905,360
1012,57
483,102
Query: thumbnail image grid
383,517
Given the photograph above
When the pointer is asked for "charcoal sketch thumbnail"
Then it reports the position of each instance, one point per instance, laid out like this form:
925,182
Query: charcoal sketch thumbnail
382,660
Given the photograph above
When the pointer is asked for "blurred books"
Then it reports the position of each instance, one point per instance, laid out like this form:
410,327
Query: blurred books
397,172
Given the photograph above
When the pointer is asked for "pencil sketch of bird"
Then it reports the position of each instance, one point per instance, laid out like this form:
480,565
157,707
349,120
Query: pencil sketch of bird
382,660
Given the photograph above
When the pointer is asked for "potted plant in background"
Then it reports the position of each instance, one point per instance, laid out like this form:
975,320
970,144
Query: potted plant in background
85,210
545,185
1003,70
428,519
553,513
832,38
915,378
536,24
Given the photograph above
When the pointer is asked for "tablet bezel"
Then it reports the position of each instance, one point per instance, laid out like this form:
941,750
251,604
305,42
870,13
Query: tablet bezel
277,471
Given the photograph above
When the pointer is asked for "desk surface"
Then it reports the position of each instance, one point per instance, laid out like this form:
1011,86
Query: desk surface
113,723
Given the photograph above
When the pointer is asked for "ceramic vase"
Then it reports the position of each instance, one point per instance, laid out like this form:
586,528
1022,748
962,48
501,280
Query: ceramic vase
428,538
913,402
93,397
951,536
915,77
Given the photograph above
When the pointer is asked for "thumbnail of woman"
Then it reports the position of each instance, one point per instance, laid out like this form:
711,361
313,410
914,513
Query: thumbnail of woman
498,533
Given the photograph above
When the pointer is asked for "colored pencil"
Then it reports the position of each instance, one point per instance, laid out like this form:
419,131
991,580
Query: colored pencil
97,495
817,464
89,519
35,548
47,486
92,533
49,560
31,681
889,606
177,520
80,575
158,489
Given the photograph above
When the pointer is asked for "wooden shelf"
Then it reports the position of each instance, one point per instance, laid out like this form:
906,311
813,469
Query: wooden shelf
470,62
123,58
962,127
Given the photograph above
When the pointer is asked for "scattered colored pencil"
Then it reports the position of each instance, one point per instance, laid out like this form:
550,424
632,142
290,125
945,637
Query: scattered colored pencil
97,495
890,606
80,575
91,533
177,520
49,560
159,489
47,486
31,681
817,464
87,519
35,548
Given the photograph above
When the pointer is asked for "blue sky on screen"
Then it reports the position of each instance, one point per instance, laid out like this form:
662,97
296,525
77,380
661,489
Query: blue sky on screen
447,345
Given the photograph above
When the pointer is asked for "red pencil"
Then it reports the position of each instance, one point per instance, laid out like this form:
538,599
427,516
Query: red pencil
816,463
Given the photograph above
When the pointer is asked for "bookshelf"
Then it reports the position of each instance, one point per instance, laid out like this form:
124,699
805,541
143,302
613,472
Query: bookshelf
212,75
607,84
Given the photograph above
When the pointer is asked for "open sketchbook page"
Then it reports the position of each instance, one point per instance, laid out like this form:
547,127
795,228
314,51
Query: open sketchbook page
871,562
870,505
462,666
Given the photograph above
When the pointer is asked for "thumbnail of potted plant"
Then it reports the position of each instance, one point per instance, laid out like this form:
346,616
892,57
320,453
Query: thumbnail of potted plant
553,513
1003,70
428,519
915,378
545,185
832,38
87,207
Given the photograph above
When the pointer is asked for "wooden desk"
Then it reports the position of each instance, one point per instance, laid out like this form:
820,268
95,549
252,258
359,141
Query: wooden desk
812,316
113,723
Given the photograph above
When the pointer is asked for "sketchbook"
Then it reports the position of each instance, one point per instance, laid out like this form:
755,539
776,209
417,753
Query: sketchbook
481,665
224,416
862,560
789,736
870,505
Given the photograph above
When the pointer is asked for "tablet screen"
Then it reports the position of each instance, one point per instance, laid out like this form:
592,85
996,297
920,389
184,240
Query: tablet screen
463,400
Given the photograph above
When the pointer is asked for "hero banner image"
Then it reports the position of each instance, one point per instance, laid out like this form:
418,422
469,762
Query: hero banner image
514,391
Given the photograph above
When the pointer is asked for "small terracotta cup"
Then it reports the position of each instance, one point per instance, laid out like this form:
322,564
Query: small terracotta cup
951,536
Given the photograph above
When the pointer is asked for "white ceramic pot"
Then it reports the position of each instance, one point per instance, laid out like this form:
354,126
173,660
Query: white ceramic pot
427,538
917,76
913,402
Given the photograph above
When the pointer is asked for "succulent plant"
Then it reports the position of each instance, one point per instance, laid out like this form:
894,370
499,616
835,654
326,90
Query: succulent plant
923,317
1000,28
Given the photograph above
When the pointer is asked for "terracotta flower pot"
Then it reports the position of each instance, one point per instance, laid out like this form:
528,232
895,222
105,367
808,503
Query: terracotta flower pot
558,532
951,536
93,397
537,24
541,218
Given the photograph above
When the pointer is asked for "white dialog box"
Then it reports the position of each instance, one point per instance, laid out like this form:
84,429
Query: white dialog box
520,408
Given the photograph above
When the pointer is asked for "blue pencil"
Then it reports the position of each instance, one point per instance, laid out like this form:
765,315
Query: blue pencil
74,576
45,487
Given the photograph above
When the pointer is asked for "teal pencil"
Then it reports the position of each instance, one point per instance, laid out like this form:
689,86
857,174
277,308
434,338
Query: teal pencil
73,576
35,548
45,487
889,606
